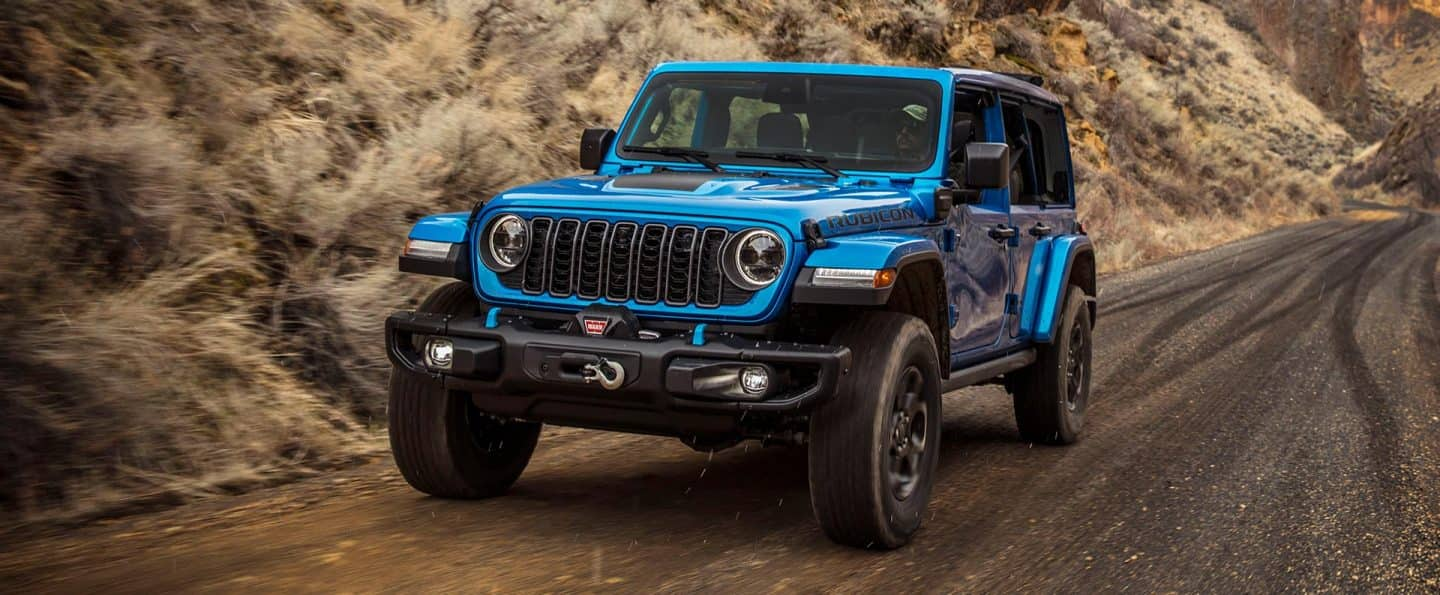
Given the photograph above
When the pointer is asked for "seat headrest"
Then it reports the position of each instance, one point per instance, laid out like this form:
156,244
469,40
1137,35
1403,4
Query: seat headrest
878,139
831,135
961,133
779,131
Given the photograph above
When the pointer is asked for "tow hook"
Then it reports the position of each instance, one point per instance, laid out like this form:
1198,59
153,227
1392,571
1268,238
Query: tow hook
609,374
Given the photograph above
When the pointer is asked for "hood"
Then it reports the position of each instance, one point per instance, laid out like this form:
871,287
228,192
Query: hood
850,206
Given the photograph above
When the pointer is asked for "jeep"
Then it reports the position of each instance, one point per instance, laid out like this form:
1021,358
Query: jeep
803,254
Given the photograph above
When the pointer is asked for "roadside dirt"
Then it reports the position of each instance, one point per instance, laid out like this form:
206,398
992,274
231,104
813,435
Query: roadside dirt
1264,418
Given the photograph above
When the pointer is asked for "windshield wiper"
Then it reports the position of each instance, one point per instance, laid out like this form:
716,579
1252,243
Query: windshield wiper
695,155
815,161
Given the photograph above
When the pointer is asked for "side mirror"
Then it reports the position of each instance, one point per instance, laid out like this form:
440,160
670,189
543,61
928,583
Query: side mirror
944,202
987,165
594,143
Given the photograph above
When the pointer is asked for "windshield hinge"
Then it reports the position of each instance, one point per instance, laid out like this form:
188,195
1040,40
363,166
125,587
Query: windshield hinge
902,181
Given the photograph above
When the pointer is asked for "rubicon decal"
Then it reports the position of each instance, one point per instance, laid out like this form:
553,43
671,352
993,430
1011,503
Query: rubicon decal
871,217
596,326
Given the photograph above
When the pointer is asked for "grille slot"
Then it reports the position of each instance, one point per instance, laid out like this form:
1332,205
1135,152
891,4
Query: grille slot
709,277
650,251
649,263
533,281
562,257
592,259
620,254
680,265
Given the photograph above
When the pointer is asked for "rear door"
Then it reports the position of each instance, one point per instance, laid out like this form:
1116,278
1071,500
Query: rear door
1041,188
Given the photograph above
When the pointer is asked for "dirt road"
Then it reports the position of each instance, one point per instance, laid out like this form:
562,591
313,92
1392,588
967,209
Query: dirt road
1266,416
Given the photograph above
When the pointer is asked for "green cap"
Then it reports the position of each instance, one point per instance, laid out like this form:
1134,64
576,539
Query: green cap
918,112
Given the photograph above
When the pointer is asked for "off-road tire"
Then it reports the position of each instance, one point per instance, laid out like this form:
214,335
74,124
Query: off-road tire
1051,394
852,436
442,444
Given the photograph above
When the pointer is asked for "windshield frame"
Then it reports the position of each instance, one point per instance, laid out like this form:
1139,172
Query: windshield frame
933,83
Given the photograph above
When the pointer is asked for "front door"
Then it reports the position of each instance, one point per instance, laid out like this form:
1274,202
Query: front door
978,267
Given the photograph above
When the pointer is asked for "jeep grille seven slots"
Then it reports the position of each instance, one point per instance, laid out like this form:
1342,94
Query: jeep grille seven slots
796,253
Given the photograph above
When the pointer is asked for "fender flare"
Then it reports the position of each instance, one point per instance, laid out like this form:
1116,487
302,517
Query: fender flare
450,228
1052,270
864,251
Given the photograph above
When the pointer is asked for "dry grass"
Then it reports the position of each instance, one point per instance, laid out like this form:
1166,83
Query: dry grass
209,197
204,199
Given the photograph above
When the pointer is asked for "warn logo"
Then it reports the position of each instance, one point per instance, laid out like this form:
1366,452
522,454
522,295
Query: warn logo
596,326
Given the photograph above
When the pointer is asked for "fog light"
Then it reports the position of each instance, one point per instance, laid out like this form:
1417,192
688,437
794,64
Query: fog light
439,353
754,380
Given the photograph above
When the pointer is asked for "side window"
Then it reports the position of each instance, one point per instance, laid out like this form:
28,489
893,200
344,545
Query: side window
1052,157
1039,144
967,127
1024,189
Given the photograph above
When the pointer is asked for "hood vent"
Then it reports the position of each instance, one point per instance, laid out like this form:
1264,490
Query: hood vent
678,181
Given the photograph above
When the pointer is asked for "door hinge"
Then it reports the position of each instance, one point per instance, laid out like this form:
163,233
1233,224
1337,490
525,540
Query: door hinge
1012,303
949,240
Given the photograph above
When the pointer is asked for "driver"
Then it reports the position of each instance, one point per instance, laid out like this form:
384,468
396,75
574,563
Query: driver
910,137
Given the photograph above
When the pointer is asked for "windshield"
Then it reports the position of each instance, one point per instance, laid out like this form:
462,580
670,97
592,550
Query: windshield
857,123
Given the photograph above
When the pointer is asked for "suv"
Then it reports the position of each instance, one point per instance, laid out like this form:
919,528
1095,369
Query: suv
806,254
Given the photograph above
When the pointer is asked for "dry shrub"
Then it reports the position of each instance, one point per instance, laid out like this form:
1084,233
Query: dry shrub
1016,38
223,192
143,384
1137,32
797,33
916,30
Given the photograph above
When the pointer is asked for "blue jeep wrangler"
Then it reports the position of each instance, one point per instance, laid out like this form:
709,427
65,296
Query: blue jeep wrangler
808,254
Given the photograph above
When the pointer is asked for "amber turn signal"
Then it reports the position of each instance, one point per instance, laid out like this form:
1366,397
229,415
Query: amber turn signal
884,278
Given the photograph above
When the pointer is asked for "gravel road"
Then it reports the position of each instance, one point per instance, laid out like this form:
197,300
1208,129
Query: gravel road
1266,416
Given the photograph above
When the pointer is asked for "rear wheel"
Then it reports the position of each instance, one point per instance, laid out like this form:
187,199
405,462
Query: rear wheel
1051,394
442,444
874,447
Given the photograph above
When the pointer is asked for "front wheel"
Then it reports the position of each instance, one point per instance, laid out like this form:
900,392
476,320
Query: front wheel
442,444
875,446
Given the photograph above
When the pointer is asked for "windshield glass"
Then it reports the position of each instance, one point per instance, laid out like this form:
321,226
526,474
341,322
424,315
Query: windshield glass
858,123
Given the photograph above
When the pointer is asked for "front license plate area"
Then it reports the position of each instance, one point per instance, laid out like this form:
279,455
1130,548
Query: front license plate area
566,365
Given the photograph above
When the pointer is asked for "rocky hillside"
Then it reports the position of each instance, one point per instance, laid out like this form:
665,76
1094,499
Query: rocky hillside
1406,164
204,199
1402,43
1319,43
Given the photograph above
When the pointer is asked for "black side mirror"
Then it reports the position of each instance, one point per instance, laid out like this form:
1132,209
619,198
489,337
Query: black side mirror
987,165
944,201
594,143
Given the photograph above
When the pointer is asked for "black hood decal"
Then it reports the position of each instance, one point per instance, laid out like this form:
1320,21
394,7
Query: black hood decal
682,181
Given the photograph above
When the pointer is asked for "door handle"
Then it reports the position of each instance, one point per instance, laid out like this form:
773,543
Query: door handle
1001,233
1040,230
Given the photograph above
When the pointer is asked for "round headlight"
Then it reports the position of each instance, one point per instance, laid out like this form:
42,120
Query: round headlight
754,258
506,243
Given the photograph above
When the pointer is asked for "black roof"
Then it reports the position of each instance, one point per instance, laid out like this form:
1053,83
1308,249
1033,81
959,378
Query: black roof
1012,83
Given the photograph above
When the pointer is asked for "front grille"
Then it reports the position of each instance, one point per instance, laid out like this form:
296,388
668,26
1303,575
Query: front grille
649,263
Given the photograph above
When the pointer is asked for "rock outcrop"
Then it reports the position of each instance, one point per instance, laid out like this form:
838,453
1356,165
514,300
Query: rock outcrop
1407,162
1319,41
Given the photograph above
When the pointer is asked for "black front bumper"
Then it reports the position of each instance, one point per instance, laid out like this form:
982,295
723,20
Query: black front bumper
513,369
